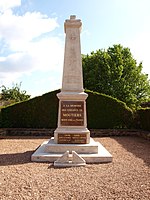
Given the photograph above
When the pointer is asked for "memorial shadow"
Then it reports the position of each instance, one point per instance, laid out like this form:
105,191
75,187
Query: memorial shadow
24,137
15,158
138,146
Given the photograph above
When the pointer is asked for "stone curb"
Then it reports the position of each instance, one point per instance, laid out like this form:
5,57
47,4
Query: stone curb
93,132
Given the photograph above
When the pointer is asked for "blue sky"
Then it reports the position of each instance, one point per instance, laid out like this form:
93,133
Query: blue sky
32,36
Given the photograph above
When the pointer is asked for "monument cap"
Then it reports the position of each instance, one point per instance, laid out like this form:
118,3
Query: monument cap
72,23
72,17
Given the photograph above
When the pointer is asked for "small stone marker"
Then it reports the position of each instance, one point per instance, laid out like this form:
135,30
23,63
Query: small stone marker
63,159
74,160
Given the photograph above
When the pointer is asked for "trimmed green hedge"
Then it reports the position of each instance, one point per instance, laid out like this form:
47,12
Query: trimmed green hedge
0,119
143,117
1,116
107,112
41,112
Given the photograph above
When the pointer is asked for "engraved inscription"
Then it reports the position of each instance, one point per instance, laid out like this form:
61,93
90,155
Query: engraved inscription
73,36
71,138
72,113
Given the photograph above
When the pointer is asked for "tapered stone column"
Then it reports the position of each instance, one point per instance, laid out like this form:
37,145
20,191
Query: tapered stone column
72,121
72,72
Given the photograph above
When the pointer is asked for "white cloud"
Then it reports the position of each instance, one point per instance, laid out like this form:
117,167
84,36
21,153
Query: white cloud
7,4
45,54
140,49
26,44
9,78
17,30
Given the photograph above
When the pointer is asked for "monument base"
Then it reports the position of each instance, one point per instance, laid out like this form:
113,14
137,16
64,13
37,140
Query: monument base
72,135
94,152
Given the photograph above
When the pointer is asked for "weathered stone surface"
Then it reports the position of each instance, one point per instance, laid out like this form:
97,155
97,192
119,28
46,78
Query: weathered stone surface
94,152
72,135
72,119
64,158
91,148
72,72
74,160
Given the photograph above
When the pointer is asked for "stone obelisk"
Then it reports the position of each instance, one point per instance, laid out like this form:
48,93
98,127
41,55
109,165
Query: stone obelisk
72,121
71,144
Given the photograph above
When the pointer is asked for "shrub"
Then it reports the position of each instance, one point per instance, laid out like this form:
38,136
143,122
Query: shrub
41,112
107,112
0,119
143,117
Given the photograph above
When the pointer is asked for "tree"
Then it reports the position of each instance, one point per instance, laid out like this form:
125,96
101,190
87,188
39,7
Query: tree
13,94
115,72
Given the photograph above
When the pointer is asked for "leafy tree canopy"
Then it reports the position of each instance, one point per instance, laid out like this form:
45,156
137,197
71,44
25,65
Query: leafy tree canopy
115,72
13,94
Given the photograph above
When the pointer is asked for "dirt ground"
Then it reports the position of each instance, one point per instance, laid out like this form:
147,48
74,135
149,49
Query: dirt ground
126,178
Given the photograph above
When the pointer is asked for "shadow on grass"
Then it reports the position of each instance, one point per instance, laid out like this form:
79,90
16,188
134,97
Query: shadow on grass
16,158
138,146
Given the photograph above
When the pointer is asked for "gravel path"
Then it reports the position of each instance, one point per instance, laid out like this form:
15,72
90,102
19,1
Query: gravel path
126,178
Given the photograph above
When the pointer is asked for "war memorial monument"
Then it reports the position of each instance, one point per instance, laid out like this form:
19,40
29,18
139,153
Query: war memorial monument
72,144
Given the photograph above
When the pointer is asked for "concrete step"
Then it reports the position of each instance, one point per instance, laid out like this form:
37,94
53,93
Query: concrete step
52,147
40,155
